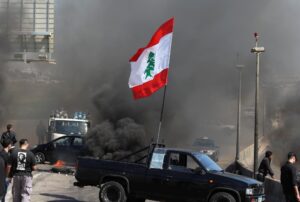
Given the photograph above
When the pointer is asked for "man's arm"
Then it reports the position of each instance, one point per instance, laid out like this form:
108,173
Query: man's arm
33,162
13,138
8,170
295,184
269,169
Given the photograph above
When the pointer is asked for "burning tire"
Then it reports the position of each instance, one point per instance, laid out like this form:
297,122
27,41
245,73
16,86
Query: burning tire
39,157
222,197
112,192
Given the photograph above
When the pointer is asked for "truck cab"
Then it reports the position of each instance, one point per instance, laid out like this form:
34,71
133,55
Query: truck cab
196,176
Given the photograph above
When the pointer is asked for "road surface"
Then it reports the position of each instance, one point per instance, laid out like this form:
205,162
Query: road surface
54,187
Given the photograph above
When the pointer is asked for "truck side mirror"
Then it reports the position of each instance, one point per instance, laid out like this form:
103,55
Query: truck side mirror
200,171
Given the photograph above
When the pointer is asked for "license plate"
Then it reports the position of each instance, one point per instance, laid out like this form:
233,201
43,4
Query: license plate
260,199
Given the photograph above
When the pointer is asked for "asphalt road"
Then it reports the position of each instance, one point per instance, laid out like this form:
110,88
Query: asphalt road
54,187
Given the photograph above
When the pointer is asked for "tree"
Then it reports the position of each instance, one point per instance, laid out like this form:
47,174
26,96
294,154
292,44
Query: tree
151,64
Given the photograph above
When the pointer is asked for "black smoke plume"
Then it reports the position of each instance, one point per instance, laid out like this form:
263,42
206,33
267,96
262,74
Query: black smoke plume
93,52
110,140
285,129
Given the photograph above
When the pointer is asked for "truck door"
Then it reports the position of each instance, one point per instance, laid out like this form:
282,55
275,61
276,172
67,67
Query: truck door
180,179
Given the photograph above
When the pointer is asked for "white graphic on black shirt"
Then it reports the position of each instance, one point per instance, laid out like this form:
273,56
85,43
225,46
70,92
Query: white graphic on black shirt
21,163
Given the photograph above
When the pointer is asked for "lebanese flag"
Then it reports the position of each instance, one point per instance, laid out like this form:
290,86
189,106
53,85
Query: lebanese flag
150,65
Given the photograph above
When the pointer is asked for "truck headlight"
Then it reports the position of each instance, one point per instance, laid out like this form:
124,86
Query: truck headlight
249,191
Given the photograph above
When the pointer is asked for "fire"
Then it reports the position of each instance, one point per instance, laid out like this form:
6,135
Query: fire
59,164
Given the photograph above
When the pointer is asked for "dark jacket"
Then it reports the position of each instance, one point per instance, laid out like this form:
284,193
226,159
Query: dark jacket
288,178
9,135
2,177
265,167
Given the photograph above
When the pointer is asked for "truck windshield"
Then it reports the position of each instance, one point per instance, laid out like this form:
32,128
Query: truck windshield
71,127
208,163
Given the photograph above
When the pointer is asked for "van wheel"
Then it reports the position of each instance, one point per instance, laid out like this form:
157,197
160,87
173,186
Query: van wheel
112,192
222,197
39,158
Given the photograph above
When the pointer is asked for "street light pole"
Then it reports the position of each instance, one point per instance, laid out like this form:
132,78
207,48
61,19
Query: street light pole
238,124
257,50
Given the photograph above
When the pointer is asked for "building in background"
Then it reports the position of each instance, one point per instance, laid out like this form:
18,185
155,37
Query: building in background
30,28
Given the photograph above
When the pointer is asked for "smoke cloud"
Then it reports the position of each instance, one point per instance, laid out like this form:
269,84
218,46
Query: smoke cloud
96,38
4,52
93,52
112,141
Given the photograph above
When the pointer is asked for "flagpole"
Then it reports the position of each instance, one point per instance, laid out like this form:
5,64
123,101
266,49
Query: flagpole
161,114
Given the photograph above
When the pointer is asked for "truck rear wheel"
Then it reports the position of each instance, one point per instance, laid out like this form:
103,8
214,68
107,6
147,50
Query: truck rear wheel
112,192
133,199
222,197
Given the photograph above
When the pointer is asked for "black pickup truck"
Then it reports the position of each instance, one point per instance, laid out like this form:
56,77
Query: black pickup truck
167,175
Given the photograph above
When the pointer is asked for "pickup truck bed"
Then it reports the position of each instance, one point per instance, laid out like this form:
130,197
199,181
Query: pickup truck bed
98,169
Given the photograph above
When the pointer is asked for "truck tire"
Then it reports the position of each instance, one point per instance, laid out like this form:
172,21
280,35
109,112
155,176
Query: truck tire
222,197
39,158
112,192
133,199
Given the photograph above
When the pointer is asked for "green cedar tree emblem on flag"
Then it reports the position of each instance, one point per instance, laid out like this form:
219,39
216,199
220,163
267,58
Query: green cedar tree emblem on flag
151,64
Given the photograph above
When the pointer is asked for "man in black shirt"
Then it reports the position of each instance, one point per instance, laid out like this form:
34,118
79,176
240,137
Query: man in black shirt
289,179
22,163
9,134
6,144
2,178
265,166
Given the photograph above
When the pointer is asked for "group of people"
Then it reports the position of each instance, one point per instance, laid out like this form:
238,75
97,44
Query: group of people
288,175
16,166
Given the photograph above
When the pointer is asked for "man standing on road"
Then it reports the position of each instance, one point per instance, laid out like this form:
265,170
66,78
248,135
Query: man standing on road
265,167
6,144
9,134
289,179
22,163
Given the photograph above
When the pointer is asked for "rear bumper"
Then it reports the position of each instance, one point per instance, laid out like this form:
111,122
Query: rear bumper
259,198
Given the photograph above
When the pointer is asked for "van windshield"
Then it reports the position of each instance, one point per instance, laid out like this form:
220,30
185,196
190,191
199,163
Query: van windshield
70,127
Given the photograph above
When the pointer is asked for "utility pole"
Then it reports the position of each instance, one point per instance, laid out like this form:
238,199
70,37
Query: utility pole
238,124
257,50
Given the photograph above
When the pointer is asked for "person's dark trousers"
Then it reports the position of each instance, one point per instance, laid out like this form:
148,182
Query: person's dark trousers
6,187
290,198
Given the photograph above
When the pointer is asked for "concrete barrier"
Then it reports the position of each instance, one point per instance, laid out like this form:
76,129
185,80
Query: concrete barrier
273,188
244,167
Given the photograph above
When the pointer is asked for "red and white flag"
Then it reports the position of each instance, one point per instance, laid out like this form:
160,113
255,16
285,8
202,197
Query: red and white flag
149,65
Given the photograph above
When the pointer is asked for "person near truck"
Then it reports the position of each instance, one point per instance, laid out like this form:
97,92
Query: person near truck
2,178
5,153
9,134
265,167
21,164
289,179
